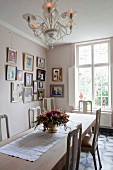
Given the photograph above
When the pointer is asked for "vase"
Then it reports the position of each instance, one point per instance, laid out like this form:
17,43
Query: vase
52,128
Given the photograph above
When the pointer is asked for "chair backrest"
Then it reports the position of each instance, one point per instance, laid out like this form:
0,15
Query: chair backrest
32,114
85,104
4,116
96,128
73,148
48,104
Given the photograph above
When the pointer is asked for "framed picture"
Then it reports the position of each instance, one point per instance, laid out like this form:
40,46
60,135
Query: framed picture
11,72
19,75
41,94
16,92
56,74
35,97
41,74
40,84
28,91
28,62
57,90
28,81
40,62
35,87
11,56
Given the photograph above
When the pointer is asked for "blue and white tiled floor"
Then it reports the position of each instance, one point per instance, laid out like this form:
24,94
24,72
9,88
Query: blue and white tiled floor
106,154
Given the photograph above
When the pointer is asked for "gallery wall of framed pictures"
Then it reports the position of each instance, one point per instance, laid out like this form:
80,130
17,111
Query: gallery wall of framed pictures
40,77
23,87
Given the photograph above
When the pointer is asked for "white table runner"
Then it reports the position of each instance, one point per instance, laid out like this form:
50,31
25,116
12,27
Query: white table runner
30,147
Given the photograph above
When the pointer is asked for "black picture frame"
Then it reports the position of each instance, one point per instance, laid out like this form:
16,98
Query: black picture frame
41,75
57,90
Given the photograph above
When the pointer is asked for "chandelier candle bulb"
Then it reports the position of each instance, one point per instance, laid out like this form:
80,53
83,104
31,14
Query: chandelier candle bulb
71,13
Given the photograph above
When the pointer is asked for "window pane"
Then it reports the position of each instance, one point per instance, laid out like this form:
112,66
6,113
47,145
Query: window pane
85,83
101,86
85,55
101,53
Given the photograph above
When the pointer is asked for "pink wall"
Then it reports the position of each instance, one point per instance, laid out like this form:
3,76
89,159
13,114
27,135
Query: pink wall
17,112
63,57
60,56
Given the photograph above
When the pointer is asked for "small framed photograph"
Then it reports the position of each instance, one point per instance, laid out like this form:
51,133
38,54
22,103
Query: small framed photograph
40,84
57,74
41,94
35,97
28,62
19,75
41,75
57,90
35,87
28,92
11,56
16,92
11,72
28,79
40,62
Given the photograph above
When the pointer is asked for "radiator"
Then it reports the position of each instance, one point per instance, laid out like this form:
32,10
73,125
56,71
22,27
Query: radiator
106,119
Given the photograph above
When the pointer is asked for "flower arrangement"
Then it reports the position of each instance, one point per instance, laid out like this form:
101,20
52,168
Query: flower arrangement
51,118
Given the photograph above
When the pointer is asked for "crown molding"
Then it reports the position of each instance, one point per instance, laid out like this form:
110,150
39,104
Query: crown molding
14,29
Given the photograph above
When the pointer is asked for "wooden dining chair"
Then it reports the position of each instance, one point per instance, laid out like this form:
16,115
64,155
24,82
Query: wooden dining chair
90,143
84,107
73,148
4,116
48,104
32,114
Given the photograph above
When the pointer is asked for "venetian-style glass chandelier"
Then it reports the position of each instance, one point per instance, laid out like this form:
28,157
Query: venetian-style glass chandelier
49,28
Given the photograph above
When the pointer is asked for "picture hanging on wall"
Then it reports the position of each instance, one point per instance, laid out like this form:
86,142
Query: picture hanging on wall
28,79
57,74
19,75
16,92
28,91
57,90
41,94
35,87
41,75
11,56
11,72
40,62
28,62
35,97
40,84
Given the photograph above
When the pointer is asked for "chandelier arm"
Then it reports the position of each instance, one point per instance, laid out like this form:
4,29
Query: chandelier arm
64,28
38,35
42,20
64,34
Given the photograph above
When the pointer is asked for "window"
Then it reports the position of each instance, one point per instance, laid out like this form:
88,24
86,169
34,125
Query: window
94,78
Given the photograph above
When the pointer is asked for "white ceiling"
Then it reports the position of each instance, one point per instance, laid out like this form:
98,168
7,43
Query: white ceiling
94,19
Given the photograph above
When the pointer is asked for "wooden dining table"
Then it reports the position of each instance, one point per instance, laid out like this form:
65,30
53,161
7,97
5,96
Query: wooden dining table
53,158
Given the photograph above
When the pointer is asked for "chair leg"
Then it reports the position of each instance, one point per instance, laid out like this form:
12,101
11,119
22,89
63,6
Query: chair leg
99,158
94,159
78,162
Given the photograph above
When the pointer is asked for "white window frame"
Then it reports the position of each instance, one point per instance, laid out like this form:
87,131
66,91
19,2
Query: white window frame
92,65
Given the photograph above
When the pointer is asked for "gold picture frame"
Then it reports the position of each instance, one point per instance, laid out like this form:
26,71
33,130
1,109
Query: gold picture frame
57,74
28,62
40,62
11,56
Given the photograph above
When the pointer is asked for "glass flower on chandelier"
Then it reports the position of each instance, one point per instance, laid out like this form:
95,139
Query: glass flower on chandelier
49,28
